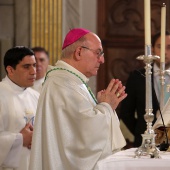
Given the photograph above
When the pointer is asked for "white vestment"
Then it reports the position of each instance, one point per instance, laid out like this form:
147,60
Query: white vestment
71,131
17,106
38,84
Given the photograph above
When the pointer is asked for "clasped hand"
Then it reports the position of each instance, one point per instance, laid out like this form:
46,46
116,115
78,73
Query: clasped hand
113,94
27,133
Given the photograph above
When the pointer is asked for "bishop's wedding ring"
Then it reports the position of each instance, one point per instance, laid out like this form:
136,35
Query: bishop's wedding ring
118,94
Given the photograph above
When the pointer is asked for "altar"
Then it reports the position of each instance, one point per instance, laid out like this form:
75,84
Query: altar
124,160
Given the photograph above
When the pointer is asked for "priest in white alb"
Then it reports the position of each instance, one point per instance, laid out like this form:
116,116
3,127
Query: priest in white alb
74,130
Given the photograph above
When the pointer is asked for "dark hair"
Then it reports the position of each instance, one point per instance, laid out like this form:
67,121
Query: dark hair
14,55
40,49
156,36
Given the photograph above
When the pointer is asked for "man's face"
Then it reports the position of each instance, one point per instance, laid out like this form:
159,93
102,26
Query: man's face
25,72
91,58
157,50
41,64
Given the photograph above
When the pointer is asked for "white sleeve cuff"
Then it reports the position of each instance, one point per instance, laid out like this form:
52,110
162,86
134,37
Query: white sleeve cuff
13,158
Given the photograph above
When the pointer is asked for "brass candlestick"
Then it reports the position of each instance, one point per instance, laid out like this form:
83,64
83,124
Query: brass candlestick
148,146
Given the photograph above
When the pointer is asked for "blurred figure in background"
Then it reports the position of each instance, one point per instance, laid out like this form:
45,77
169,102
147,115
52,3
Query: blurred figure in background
133,107
42,61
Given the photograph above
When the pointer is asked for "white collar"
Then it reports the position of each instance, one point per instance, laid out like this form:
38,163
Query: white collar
14,86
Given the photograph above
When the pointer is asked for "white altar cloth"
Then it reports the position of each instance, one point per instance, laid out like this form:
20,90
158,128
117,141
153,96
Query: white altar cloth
124,160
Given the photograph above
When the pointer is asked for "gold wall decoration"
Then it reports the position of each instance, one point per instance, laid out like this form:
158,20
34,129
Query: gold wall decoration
46,26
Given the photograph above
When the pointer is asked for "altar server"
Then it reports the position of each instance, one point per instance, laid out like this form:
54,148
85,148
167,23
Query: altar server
18,103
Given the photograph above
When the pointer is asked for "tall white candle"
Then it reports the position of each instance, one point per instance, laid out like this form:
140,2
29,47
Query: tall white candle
163,26
147,18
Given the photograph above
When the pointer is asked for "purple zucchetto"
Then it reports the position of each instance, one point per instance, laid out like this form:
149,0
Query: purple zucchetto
73,35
